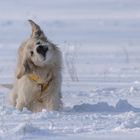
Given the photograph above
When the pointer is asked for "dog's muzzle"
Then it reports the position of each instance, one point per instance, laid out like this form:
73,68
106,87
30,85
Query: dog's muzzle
42,50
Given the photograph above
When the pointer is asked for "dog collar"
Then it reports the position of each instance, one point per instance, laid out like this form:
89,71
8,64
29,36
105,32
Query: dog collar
44,85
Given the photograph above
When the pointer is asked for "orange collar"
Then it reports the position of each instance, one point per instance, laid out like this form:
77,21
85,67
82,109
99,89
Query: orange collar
44,85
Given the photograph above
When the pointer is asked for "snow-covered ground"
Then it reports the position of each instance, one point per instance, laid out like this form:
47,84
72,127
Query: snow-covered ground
101,41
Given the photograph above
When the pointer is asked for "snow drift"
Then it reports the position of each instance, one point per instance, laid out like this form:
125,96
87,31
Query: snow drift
121,106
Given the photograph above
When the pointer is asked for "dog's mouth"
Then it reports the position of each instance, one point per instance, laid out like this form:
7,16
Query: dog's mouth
42,50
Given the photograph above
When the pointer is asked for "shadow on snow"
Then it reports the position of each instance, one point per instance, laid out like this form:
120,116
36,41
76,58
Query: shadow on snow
121,106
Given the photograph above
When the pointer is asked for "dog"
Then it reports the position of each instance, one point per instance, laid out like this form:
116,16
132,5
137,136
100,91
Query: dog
38,79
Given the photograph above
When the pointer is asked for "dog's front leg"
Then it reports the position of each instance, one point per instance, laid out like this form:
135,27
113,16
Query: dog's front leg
53,102
20,104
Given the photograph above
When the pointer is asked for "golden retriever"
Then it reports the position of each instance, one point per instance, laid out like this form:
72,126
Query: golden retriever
38,76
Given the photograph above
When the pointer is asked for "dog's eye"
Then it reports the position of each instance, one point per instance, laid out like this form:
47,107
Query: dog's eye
31,52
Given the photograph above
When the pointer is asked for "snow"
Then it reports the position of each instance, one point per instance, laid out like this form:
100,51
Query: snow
121,106
101,75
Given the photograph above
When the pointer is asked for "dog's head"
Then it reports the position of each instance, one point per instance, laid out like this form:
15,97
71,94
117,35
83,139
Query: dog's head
37,51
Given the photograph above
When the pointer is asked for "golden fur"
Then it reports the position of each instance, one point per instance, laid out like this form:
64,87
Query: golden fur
27,93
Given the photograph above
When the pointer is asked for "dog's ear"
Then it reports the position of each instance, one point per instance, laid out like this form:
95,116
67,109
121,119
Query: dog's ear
36,31
25,68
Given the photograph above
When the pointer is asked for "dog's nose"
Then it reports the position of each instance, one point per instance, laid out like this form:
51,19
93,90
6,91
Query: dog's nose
42,49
